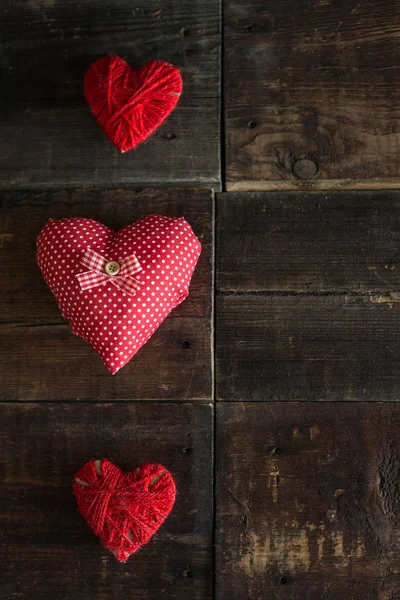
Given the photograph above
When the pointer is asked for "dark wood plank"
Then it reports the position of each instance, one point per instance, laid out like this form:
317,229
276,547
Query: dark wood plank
49,136
311,94
309,293
302,347
342,241
308,501
46,548
40,358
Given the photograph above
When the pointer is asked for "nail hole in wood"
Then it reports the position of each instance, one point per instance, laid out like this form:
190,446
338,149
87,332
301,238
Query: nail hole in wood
276,450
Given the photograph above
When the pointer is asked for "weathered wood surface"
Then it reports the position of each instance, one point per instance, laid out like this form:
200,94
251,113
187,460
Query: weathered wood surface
309,294
311,94
49,136
40,359
46,548
341,241
305,347
308,501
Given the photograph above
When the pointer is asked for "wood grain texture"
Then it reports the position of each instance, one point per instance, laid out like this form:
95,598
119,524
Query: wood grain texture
308,501
311,93
302,347
336,242
309,294
46,548
49,136
41,359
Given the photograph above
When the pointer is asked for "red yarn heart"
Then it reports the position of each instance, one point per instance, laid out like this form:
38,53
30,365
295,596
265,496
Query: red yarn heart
124,510
115,322
130,104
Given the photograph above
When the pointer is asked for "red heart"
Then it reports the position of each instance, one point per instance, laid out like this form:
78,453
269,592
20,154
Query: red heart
124,510
130,104
116,323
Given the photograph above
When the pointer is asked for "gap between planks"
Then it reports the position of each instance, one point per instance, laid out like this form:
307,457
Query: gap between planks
309,186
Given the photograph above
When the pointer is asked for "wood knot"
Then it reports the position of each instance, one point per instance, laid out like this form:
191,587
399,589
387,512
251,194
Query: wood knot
305,168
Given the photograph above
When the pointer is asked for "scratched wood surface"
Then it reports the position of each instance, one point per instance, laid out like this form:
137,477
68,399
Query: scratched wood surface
311,94
46,548
49,137
308,501
314,241
308,296
40,359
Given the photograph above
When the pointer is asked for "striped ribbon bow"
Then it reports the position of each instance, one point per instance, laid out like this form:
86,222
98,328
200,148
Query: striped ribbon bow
98,275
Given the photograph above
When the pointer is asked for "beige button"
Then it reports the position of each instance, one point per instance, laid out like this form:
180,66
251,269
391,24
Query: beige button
112,268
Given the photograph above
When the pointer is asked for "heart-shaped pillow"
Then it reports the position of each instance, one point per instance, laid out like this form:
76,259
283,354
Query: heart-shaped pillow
116,288
130,104
124,510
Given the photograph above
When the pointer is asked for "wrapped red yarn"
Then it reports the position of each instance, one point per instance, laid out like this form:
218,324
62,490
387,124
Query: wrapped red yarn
124,510
130,104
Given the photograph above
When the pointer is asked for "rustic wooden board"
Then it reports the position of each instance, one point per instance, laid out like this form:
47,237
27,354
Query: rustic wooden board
308,501
305,347
341,241
40,358
311,94
49,136
309,294
46,548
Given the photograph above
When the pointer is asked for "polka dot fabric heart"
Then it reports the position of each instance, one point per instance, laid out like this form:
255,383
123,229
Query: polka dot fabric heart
115,323
124,510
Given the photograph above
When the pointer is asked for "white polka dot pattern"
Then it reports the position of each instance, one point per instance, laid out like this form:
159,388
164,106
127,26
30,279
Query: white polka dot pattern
115,324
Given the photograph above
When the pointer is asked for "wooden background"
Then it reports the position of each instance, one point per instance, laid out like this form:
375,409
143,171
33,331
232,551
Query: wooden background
271,392
48,135
311,94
